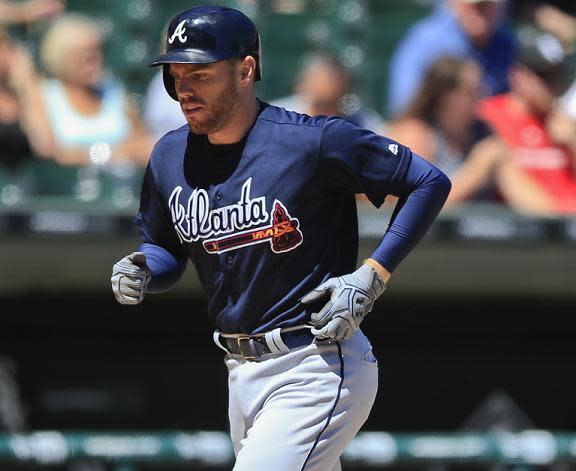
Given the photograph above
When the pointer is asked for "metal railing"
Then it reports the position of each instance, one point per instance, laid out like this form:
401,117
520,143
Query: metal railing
207,449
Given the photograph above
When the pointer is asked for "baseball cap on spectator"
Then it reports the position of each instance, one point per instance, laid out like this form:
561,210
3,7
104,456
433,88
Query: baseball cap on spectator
539,50
544,54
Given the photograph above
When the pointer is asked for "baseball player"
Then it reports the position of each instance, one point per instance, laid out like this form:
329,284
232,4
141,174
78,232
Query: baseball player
262,201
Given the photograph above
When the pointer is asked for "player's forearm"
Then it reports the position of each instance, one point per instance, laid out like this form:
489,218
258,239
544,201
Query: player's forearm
423,194
165,267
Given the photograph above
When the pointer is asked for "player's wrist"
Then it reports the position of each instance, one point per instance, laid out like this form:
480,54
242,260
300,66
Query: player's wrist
382,272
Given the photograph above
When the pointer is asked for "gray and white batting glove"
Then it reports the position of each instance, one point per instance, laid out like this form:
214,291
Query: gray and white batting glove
130,278
351,298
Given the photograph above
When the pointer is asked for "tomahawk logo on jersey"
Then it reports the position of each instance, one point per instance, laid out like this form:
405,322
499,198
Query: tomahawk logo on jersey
197,221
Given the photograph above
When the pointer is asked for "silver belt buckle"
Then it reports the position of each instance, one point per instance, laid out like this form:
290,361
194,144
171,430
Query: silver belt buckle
249,355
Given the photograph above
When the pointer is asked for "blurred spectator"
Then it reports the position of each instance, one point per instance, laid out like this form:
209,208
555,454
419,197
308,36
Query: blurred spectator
14,144
14,12
539,177
324,86
465,28
86,105
558,18
161,113
441,125
553,16
20,119
561,21
558,22
562,124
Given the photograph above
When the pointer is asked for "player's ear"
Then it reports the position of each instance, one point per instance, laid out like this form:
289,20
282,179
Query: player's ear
247,68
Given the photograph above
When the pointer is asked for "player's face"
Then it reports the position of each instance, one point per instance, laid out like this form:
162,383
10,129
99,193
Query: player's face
207,94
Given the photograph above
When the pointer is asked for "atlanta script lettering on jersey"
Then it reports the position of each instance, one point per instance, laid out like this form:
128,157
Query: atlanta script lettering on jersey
233,226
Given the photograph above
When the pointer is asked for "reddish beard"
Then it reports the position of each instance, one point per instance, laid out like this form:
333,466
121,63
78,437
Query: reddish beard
216,115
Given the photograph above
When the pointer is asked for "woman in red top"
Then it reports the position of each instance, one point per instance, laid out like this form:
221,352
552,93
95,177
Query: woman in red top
539,176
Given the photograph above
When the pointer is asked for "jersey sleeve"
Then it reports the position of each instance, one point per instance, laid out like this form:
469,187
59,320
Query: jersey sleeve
164,255
424,191
153,219
356,160
359,161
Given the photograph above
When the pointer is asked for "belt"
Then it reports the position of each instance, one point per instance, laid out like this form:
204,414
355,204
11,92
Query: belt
251,347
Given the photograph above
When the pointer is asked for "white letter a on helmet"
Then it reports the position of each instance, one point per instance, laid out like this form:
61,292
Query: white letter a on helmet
179,32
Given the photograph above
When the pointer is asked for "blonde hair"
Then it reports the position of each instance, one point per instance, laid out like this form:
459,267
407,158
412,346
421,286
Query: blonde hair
57,40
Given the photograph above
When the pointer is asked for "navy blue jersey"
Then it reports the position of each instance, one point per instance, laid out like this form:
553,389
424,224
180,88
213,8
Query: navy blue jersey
266,220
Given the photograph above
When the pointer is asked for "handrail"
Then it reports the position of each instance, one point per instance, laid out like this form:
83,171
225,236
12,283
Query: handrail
213,448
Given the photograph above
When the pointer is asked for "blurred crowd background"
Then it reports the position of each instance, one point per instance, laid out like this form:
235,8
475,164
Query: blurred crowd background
484,89
477,332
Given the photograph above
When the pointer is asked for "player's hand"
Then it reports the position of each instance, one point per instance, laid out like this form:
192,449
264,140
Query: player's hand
351,298
130,278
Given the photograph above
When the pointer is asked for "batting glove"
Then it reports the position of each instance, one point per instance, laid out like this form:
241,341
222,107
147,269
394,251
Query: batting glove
351,298
130,278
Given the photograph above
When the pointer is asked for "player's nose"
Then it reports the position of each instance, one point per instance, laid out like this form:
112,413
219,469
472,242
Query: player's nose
184,89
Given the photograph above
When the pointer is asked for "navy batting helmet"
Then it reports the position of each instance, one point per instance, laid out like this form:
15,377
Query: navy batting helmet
208,34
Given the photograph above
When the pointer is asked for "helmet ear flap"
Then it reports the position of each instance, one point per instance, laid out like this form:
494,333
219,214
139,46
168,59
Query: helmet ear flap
169,84
258,54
